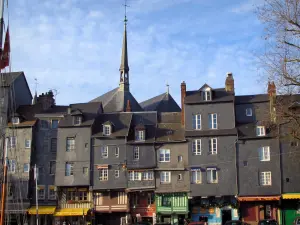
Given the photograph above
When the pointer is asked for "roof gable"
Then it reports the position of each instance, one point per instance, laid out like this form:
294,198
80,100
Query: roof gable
161,103
205,87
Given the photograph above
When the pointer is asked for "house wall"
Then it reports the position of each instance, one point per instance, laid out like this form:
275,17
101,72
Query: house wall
146,159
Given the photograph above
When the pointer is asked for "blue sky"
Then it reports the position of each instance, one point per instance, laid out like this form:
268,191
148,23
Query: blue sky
74,46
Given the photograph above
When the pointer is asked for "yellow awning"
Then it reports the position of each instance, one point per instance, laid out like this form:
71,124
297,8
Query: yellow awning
291,196
71,212
43,210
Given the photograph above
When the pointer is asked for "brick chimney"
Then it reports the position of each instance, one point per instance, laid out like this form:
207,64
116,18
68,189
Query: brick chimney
128,107
183,94
271,89
229,83
46,99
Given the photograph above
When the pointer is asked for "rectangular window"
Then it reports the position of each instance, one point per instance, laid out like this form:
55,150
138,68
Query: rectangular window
165,177
15,120
41,192
197,122
77,120
54,124
85,171
26,168
70,144
83,196
150,199
117,173
69,169
212,146
164,155
260,131
106,130
212,175
104,151
180,158
213,121
44,124
248,112
12,166
27,143
71,195
136,153
103,174
135,175
131,175
148,175
53,145
140,135
117,151
51,193
166,201
52,167
179,177
196,147
264,153
196,177
13,141
207,95
265,178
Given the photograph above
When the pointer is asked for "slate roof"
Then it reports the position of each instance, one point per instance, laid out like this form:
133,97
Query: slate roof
116,101
89,113
9,78
120,122
218,95
248,99
161,103
55,110
169,128
248,131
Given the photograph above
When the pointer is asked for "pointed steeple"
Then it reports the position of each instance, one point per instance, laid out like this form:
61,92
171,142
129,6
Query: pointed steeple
124,68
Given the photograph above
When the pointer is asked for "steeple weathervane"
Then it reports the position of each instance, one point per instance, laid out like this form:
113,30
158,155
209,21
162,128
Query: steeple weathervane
124,68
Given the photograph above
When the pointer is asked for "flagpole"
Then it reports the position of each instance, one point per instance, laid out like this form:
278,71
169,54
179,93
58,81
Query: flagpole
36,195
1,22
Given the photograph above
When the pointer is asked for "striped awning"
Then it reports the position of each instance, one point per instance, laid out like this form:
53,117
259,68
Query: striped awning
291,196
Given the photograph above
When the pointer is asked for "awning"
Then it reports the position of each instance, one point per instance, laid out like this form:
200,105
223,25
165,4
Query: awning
71,212
43,210
291,196
258,198
102,166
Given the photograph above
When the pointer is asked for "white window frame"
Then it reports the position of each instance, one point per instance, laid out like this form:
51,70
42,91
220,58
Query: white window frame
140,135
41,187
264,153
104,152
103,174
85,170
24,171
15,120
209,175
196,120
249,112
263,178
13,142
196,147
213,121
117,173
207,95
12,166
165,177
260,131
148,175
52,161
213,146
106,130
70,142
163,153
26,142
52,124
77,120
117,151
51,197
136,153
135,175
71,169
197,175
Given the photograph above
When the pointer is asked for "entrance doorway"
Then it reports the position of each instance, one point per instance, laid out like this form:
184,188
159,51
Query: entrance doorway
226,215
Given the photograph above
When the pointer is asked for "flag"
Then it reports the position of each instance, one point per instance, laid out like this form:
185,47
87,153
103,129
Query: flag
4,62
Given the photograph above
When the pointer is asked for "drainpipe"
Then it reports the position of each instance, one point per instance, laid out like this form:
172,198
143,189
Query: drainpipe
237,169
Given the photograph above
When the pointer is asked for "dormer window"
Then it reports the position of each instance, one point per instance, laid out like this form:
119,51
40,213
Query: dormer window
77,120
106,130
140,135
15,120
207,95
260,131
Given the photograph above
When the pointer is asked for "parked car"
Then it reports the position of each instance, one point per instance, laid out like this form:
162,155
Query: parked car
236,222
268,222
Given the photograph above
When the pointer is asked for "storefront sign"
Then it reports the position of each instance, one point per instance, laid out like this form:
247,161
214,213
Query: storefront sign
143,211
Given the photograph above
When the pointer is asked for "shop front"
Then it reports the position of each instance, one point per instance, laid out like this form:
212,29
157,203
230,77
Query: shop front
171,207
256,208
290,206
45,214
73,216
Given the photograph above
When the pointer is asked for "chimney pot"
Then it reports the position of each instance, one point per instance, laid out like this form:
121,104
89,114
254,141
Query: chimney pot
69,110
229,82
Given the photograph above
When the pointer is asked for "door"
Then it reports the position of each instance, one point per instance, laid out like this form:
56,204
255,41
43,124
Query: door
226,215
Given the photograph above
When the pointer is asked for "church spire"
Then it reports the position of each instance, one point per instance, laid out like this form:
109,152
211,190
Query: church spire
124,68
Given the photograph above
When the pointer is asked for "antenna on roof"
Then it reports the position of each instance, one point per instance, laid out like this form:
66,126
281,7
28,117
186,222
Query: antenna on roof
125,11
36,84
56,92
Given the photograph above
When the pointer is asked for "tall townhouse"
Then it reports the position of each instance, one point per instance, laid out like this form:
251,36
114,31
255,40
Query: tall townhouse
73,159
141,162
209,121
109,165
172,174
290,157
44,158
258,156
20,146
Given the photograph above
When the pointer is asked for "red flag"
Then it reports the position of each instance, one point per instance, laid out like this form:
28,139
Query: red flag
6,50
